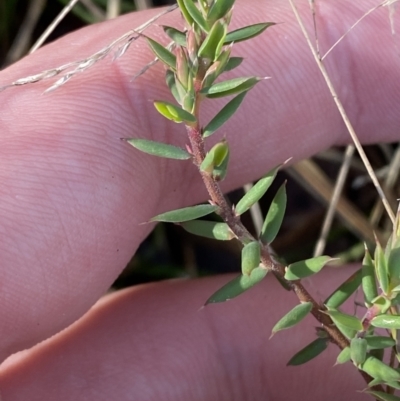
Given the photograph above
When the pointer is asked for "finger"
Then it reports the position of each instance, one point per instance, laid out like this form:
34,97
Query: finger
153,343
72,193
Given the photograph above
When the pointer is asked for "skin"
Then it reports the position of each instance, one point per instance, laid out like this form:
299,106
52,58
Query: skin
72,196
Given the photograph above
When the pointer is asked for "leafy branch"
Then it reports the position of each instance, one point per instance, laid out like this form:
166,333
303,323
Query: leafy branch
198,57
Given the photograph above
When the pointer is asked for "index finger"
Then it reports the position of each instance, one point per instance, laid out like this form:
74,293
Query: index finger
72,193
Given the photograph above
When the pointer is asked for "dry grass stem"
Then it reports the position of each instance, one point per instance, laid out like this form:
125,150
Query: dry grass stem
121,45
387,3
311,177
53,25
343,114
337,191
23,38
255,211
391,178
142,4
113,8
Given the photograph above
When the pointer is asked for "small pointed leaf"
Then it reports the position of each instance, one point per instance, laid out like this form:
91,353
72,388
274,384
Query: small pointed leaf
379,342
215,157
247,32
358,350
251,254
196,15
381,268
274,218
305,268
223,115
162,53
349,321
257,192
381,396
238,286
177,36
172,85
185,214
346,331
220,9
344,356
310,352
209,229
230,87
368,279
212,44
184,11
345,290
386,321
296,315
395,385
233,63
174,113
379,370
394,266
159,149
220,171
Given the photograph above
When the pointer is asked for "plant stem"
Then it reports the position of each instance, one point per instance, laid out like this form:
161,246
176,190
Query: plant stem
227,213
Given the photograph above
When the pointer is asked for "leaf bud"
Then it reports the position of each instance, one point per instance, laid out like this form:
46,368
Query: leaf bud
182,67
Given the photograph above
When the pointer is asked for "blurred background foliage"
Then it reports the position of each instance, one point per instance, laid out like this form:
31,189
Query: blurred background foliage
170,252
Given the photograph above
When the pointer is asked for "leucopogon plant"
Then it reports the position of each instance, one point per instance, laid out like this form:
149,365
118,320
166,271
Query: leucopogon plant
195,60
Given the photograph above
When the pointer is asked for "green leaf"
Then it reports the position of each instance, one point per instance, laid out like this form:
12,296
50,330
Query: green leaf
212,44
368,279
209,229
185,13
379,342
343,319
247,32
238,286
310,352
381,268
159,149
344,356
196,15
386,321
380,395
230,87
219,9
305,268
358,350
345,290
379,370
377,382
257,192
251,254
223,115
220,171
377,353
233,63
162,53
274,218
177,36
172,85
346,331
185,214
174,113
381,304
394,266
295,316
215,157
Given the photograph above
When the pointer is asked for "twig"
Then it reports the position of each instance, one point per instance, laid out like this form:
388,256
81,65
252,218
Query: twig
343,114
330,214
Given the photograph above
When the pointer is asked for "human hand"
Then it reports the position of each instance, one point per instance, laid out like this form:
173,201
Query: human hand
72,196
